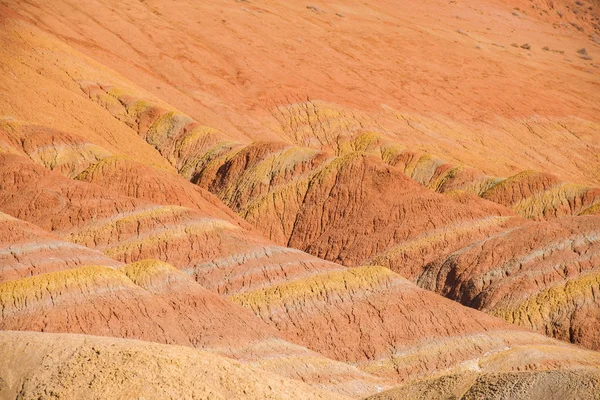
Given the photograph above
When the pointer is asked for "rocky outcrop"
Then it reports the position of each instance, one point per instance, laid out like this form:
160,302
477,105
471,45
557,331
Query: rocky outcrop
348,209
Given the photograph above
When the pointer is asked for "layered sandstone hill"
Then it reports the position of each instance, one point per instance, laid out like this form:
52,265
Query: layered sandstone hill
367,316
543,275
26,250
142,300
295,187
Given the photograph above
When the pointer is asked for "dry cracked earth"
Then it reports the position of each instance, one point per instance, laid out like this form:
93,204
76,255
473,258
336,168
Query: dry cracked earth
271,199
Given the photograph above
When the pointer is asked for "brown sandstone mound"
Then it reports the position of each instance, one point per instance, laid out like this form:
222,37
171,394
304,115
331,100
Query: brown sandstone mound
538,195
230,330
91,300
542,275
531,194
70,366
519,187
508,375
51,201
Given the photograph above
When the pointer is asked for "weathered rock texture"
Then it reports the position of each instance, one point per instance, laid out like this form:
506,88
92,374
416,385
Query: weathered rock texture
26,250
268,181
142,300
76,366
508,376
389,326
543,275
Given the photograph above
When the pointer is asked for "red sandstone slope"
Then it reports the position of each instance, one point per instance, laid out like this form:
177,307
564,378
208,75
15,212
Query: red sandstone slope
142,300
26,250
543,275
368,316
344,166
440,77
130,230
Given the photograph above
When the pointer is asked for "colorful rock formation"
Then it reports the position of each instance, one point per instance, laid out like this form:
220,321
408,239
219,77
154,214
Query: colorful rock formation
273,199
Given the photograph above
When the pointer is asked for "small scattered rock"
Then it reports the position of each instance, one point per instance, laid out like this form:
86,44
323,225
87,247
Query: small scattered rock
546,48
577,26
526,46
583,54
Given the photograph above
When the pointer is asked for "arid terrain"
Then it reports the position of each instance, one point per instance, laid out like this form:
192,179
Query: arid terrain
269,199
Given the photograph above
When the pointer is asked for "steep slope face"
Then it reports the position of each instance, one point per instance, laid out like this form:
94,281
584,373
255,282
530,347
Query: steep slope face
507,375
347,209
104,301
531,194
439,77
26,250
77,366
212,251
542,275
41,102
